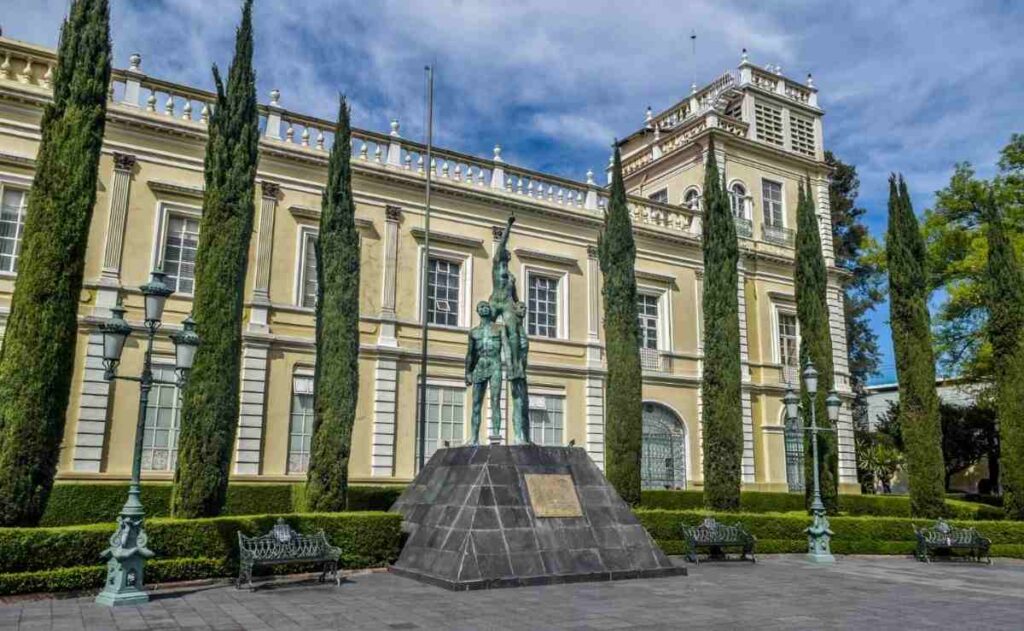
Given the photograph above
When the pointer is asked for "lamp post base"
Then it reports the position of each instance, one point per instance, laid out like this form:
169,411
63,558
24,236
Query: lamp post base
126,563
122,599
824,558
818,538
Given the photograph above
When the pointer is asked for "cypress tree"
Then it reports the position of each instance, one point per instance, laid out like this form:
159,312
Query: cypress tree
810,278
723,416
336,380
38,355
1005,288
915,359
210,401
624,414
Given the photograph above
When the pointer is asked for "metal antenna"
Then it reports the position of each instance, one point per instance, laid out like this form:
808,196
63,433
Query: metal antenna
424,279
693,52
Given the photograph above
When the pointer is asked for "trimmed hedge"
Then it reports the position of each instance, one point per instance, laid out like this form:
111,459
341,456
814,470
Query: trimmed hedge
781,532
93,503
55,559
851,505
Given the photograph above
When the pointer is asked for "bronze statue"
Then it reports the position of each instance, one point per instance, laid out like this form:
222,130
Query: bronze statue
488,340
483,367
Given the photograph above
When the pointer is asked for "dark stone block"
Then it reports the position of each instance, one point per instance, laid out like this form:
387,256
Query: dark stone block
472,526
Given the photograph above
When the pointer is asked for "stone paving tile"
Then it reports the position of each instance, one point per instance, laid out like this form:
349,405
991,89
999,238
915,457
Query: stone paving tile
780,592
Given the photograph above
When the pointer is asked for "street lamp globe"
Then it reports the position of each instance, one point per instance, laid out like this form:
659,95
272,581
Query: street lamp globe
832,404
156,292
791,401
185,344
115,333
811,379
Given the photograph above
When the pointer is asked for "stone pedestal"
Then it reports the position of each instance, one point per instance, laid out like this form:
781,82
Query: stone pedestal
506,516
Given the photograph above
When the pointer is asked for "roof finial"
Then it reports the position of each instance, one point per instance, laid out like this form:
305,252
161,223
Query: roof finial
743,56
497,153
810,80
394,127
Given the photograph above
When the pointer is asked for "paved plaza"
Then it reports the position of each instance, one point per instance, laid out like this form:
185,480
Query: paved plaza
779,592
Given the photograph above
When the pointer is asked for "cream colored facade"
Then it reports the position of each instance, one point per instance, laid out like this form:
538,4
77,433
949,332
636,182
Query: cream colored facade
767,129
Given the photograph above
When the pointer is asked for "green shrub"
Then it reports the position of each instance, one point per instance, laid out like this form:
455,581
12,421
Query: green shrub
74,503
366,540
79,578
784,532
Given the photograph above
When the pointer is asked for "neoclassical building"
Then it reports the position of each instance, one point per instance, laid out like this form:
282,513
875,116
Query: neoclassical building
768,137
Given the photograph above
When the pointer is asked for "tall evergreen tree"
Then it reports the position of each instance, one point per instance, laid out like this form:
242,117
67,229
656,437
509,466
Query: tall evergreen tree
209,413
1005,289
38,353
810,277
336,380
723,415
624,425
915,358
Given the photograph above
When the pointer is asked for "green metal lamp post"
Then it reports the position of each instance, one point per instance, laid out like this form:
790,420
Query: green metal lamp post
818,533
127,553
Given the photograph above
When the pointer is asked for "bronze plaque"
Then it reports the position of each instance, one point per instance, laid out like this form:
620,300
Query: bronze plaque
553,495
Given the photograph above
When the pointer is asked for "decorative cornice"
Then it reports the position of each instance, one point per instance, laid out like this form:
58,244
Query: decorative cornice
444,237
17,160
176,188
392,213
497,232
123,161
270,189
667,279
591,251
313,214
547,257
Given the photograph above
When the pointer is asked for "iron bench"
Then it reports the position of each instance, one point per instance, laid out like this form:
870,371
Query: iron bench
947,538
284,545
715,536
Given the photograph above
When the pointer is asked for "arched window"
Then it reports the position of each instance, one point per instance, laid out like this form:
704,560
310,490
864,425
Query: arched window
691,199
738,200
663,461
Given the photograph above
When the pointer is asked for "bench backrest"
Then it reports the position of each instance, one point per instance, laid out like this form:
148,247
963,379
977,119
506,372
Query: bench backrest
942,532
710,531
283,542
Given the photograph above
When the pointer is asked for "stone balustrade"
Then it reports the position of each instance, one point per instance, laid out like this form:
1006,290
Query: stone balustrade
770,79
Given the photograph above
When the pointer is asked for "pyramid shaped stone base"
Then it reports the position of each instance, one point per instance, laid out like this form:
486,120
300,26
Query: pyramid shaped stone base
507,516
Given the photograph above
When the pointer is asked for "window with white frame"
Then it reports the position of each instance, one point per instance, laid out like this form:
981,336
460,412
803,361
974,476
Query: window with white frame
542,306
647,308
163,423
300,426
768,121
308,279
789,344
547,419
738,200
691,199
445,418
771,199
659,196
12,226
181,240
444,278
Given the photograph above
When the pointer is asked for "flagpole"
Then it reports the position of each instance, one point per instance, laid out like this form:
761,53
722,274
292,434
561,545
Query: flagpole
424,284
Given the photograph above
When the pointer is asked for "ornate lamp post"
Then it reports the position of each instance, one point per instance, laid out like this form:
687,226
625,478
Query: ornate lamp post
818,533
127,553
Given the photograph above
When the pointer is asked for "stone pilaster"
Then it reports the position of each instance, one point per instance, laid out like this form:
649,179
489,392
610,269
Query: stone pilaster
94,398
593,395
110,273
260,312
249,444
389,284
748,420
385,385
699,298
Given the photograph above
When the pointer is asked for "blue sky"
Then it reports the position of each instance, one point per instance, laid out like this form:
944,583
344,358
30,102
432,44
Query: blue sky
908,86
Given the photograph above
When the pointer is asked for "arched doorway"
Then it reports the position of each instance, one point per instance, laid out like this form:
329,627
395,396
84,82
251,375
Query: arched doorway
663,463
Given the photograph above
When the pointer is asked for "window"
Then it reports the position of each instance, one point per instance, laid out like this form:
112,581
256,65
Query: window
768,120
542,306
443,279
691,199
802,135
308,282
771,199
12,227
735,109
789,346
300,429
180,243
659,196
738,200
163,423
446,419
547,419
647,307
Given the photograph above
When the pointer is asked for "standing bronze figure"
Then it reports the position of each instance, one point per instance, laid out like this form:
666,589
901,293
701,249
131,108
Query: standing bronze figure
483,367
